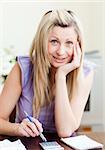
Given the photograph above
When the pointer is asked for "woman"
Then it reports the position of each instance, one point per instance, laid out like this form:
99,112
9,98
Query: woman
52,85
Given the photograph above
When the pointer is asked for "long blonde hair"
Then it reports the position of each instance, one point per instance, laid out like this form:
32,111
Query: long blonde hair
40,59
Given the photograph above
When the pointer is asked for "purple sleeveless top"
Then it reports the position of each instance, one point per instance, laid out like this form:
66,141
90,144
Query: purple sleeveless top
46,116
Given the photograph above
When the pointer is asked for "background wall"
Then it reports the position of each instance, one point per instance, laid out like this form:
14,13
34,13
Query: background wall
19,21
103,35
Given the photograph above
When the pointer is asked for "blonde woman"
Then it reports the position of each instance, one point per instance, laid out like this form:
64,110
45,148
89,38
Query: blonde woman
52,85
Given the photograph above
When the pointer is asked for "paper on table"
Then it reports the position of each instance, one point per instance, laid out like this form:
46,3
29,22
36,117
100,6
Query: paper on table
8,145
81,142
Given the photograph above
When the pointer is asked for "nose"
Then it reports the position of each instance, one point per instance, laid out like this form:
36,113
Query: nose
61,50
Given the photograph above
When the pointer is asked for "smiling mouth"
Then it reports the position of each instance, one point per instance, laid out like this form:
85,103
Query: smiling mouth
59,60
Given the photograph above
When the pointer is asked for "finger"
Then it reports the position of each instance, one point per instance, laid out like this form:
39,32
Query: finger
78,48
75,52
23,132
28,129
38,124
33,128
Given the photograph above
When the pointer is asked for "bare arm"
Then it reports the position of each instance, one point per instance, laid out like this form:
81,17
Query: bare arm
68,114
8,99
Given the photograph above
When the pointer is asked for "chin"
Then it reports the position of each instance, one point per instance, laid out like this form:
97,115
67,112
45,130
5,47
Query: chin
57,65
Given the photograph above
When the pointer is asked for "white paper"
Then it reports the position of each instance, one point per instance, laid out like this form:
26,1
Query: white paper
8,145
81,142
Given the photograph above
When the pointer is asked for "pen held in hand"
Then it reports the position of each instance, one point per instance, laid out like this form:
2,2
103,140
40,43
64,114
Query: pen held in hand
30,119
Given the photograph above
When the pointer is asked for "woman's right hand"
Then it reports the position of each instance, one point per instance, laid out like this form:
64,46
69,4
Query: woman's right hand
27,128
75,63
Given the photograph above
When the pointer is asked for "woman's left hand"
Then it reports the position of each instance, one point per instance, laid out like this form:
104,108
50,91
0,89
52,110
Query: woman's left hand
75,63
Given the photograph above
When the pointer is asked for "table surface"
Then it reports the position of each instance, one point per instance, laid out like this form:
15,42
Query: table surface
33,143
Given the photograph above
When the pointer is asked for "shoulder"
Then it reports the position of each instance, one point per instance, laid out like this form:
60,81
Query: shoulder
15,72
14,77
88,67
24,60
26,66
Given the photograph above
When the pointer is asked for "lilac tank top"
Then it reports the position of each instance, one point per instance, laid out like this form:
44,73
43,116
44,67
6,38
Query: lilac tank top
46,116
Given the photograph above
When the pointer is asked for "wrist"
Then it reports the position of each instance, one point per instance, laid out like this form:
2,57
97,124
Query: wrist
60,76
16,129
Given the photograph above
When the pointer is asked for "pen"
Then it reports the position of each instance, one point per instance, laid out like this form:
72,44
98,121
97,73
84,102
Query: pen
41,135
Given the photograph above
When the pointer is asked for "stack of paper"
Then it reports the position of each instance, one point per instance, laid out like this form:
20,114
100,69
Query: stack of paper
8,145
82,142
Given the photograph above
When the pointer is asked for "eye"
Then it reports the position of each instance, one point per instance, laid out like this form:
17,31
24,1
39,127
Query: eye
54,42
69,43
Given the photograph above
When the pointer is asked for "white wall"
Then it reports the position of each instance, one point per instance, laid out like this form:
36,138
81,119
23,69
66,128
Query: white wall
104,68
20,20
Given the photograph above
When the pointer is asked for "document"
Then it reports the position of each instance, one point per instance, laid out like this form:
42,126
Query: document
8,145
81,142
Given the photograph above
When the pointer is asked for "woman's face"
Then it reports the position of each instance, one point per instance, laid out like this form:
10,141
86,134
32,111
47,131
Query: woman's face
61,41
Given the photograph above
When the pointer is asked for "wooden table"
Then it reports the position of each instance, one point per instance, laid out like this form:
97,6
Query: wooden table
33,143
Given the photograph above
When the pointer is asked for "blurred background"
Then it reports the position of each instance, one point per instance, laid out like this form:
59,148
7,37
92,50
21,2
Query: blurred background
18,24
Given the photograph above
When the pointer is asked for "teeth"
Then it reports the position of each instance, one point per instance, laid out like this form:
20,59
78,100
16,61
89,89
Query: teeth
59,60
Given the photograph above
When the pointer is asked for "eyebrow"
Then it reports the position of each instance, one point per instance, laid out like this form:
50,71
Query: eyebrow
54,37
68,39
